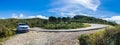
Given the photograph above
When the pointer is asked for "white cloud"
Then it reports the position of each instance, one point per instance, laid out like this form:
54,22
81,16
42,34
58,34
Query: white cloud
113,18
38,16
74,6
2,18
14,15
31,16
41,16
67,14
90,4
22,16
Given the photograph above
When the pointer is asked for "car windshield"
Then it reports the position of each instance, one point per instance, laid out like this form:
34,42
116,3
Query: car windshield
22,24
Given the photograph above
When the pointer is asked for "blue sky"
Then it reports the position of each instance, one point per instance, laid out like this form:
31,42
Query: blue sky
105,9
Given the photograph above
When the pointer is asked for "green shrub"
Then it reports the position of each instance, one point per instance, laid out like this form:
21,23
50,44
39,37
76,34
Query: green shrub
6,32
110,36
84,39
63,25
0,44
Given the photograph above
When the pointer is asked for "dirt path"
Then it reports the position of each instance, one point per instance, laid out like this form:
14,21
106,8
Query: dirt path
46,38
38,37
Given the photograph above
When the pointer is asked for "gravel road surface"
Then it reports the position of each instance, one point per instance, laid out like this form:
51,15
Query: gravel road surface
48,38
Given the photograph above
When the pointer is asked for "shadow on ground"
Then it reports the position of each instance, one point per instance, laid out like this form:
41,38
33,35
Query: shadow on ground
19,32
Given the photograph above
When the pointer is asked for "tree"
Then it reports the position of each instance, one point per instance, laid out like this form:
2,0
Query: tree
68,18
64,19
52,19
59,19
77,17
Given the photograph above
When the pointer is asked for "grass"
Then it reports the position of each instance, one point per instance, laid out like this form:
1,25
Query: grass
86,25
3,39
108,36
65,25
6,34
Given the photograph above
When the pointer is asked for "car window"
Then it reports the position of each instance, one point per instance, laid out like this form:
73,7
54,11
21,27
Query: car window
22,24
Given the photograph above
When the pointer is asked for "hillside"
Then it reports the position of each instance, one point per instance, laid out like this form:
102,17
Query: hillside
7,25
33,22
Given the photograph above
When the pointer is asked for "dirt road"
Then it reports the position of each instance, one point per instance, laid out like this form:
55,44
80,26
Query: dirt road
47,38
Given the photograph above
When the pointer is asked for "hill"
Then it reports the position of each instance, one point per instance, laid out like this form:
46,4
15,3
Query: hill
7,25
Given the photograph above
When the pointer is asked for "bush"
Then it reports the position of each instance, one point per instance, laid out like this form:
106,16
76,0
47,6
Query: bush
110,36
84,39
4,32
0,44
63,25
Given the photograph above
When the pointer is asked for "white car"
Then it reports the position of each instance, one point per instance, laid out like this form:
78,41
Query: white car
23,27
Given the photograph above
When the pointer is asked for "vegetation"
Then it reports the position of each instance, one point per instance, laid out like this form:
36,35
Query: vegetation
109,36
65,25
7,26
80,19
71,23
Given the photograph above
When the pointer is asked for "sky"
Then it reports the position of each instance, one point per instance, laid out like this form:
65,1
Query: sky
104,9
